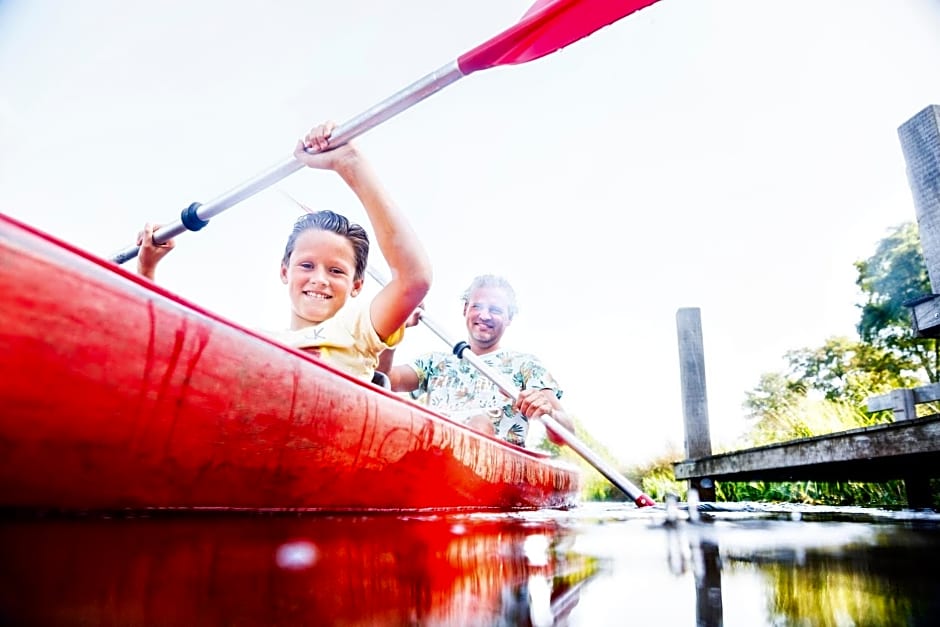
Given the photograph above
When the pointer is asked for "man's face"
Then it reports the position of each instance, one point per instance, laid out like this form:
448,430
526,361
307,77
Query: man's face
487,316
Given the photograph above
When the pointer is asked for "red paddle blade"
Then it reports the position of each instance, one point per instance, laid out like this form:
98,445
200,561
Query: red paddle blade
547,26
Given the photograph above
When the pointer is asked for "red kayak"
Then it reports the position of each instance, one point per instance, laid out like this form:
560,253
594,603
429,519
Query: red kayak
116,394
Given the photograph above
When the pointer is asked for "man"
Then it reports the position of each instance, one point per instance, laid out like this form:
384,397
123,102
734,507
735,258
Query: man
454,387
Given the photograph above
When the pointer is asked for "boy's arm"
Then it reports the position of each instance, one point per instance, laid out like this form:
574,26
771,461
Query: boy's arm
400,245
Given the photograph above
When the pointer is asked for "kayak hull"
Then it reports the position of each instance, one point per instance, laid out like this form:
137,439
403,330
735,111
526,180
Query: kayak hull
117,394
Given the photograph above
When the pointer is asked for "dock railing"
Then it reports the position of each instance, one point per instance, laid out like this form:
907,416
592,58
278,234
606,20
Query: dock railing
903,402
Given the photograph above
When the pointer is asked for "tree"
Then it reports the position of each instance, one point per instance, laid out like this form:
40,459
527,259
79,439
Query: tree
783,408
893,276
825,389
844,371
848,371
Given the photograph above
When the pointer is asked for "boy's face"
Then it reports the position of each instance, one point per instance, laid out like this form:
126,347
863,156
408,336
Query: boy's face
319,277
487,315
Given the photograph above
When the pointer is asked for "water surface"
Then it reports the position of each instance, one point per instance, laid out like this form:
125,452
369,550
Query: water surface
601,564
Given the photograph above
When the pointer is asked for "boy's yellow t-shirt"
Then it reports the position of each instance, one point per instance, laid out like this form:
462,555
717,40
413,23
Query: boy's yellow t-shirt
347,341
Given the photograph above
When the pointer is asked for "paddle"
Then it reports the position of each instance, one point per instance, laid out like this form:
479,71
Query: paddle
462,351
546,27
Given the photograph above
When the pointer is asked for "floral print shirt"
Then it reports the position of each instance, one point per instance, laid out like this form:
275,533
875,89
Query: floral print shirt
454,387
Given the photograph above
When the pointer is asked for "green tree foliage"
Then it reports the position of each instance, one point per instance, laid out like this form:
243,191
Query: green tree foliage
850,371
843,371
895,275
825,389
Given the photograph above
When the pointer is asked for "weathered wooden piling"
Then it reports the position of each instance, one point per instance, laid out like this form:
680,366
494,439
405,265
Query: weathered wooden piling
694,397
920,142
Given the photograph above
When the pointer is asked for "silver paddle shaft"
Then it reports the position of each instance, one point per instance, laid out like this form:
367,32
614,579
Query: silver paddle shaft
388,108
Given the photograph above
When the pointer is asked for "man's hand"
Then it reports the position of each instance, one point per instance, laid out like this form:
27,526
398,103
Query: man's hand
535,403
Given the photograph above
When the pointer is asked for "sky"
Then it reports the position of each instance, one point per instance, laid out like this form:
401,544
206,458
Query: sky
729,155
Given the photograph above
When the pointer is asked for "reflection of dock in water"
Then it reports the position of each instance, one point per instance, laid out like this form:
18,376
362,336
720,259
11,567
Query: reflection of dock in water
815,565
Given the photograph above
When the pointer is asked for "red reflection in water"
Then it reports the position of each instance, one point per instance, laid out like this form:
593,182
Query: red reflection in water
283,570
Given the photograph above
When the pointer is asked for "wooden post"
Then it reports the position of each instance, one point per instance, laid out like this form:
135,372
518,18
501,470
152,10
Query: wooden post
920,142
904,407
694,400
917,486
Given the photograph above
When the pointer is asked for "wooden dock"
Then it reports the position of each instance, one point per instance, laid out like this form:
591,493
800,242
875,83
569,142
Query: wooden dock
907,449
870,454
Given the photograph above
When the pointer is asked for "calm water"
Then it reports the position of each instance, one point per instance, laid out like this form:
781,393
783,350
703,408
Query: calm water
747,565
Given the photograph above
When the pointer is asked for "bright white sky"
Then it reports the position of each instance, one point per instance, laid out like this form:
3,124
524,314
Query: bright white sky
732,155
